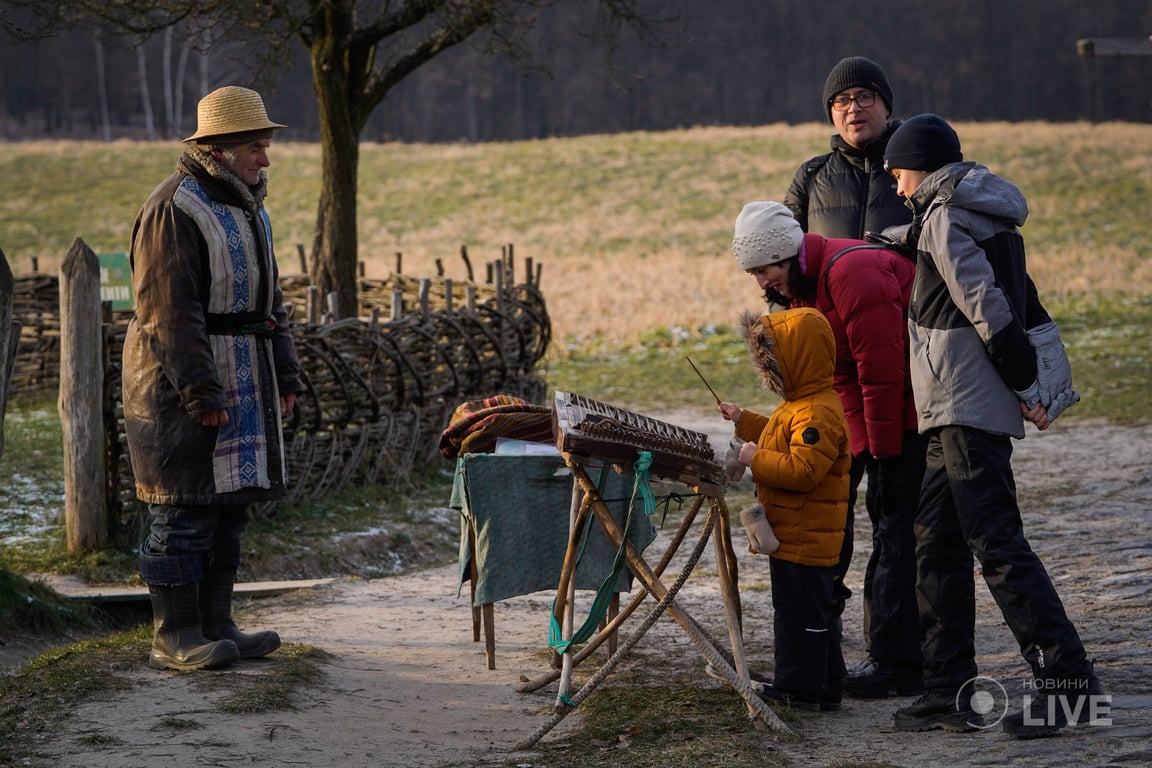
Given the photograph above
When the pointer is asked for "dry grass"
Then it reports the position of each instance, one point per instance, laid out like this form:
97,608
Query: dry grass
632,230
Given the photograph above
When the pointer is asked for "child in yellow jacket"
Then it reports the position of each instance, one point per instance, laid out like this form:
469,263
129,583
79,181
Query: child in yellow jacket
799,457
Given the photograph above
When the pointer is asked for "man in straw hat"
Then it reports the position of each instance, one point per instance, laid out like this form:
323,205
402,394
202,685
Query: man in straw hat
209,371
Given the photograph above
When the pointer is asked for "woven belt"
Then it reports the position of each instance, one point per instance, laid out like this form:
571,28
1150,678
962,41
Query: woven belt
240,324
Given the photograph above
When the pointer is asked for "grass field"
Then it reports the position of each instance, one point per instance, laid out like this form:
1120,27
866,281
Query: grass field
632,230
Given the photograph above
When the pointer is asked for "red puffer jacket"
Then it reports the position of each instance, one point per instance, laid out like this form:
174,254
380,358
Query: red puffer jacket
865,297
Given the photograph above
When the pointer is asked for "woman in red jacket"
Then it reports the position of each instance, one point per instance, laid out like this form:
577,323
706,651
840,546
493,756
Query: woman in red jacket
863,290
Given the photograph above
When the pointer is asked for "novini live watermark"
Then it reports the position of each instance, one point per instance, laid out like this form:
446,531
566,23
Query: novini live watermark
1046,702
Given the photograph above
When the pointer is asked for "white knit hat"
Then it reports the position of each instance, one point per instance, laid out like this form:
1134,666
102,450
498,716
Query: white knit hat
766,233
231,109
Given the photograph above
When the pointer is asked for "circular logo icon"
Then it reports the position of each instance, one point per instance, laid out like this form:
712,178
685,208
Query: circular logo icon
986,698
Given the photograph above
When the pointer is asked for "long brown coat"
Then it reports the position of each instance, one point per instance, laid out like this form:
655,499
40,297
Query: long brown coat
201,255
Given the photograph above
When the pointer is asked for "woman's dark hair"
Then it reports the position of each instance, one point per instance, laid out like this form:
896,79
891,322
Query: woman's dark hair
800,286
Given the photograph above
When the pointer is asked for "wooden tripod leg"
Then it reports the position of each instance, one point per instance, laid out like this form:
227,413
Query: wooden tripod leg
578,514
598,639
756,707
560,712
729,587
568,580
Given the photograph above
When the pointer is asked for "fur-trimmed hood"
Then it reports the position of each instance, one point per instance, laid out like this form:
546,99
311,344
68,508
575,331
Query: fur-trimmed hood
793,350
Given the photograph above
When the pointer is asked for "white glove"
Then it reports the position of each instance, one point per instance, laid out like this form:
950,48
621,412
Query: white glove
761,540
733,468
1061,402
1053,371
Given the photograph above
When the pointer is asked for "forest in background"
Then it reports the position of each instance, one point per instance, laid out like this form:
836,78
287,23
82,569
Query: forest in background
722,62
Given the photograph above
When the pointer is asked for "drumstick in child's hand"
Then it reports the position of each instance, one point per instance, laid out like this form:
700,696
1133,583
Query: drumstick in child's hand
703,379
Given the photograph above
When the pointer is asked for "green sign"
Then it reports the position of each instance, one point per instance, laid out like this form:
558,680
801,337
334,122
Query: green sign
116,281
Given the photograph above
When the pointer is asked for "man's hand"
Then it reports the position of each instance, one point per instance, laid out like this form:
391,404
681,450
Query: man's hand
1053,371
1029,398
213,418
1037,414
287,403
1062,401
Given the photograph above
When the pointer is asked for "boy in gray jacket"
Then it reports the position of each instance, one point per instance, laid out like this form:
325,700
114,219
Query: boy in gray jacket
985,357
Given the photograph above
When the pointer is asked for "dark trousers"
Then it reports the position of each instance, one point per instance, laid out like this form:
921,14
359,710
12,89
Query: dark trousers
891,623
893,626
184,539
841,594
968,507
806,629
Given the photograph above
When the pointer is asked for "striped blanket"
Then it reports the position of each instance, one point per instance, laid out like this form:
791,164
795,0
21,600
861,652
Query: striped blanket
476,424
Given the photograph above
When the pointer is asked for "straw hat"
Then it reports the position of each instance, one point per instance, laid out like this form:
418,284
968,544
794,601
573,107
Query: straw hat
231,109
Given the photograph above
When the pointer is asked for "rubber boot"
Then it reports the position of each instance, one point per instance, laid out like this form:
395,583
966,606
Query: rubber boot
216,612
178,642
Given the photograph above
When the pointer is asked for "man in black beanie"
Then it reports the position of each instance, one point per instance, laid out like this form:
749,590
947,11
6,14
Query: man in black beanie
977,331
845,193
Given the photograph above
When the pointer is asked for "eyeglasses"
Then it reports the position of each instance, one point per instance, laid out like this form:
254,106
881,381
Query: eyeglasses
864,99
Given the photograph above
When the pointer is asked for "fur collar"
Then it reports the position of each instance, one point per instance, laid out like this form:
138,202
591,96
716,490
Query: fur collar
762,345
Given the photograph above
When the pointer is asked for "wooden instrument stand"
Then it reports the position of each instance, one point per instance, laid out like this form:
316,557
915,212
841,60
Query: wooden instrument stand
732,666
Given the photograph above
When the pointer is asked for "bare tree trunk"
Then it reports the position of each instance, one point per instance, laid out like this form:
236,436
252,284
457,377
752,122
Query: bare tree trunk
81,396
178,98
203,73
9,337
102,87
166,72
145,98
334,251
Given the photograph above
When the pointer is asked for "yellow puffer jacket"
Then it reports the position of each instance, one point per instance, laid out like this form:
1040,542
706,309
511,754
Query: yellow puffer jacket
801,467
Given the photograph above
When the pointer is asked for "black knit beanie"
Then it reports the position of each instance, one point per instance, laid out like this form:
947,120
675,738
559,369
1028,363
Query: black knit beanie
856,72
923,143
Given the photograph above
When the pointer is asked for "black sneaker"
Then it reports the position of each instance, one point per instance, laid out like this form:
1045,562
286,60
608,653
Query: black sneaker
938,709
828,701
875,681
1055,700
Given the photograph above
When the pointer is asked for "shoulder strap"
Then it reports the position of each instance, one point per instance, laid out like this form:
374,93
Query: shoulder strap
837,255
812,166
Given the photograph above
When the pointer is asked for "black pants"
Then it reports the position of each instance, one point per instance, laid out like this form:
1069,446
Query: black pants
968,507
890,576
891,624
807,634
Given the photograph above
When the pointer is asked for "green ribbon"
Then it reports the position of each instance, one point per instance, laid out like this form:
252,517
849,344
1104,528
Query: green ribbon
643,486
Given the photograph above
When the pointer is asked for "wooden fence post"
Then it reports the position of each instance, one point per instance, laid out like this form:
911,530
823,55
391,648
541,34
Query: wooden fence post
9,338
81,396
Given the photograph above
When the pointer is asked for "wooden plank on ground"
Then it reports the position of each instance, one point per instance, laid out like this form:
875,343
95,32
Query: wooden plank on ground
75,588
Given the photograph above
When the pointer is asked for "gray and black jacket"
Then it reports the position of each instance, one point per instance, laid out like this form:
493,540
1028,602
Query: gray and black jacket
972,301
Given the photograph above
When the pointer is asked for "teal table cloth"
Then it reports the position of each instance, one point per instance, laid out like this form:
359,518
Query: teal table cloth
518,507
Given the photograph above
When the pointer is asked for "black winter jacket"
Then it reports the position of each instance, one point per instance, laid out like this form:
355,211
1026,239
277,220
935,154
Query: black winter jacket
847,192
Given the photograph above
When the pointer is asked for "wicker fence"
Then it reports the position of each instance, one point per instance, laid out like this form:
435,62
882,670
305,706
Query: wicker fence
380,387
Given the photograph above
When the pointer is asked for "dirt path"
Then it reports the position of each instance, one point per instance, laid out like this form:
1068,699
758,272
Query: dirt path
408,687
